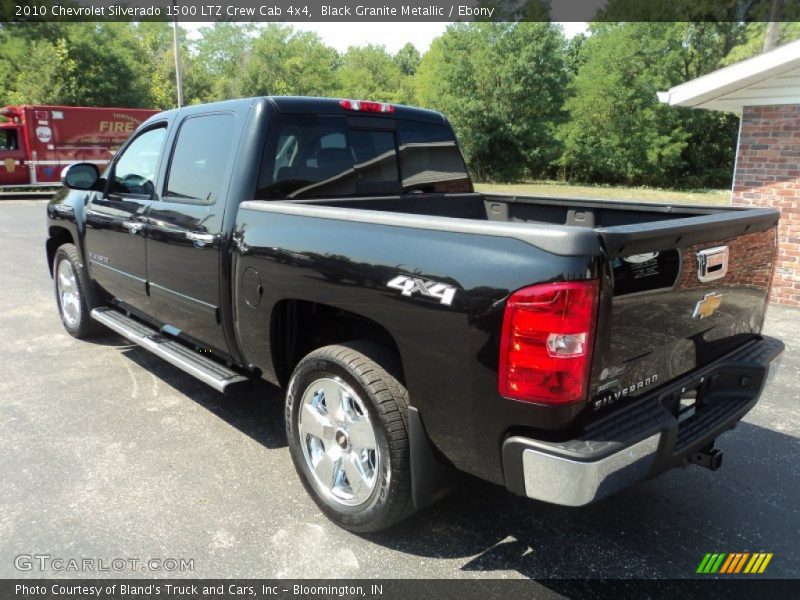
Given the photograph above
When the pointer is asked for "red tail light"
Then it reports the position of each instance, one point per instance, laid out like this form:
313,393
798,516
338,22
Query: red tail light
546,343
366,106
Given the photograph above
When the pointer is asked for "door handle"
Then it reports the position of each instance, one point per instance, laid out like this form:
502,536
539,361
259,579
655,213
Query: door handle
133,227
200,239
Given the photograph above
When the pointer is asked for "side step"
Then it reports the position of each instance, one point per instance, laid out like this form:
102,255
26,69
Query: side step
203,368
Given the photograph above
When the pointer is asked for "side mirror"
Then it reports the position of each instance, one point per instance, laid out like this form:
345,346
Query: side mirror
80,176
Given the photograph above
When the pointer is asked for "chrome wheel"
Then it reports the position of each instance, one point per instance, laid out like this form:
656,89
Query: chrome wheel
68,293
338,441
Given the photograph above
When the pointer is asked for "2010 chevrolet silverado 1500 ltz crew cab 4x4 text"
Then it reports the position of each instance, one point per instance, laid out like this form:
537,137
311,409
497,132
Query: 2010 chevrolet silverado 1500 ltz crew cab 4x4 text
565,349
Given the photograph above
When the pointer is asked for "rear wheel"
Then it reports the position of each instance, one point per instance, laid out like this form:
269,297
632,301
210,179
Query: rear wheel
71,286
347,428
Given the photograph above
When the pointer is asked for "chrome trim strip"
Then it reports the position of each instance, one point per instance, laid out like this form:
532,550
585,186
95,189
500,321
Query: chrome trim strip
106,317
105,266
568,482
192,301
66,162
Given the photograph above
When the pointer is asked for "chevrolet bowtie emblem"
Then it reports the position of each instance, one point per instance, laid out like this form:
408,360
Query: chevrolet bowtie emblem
706,307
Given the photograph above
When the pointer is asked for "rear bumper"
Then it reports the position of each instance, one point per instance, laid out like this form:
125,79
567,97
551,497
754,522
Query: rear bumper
644,438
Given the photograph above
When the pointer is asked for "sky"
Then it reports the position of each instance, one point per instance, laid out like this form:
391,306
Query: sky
391,35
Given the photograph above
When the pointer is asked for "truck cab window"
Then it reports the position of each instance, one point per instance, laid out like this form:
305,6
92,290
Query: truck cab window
8,139
201,159
320,156
135,170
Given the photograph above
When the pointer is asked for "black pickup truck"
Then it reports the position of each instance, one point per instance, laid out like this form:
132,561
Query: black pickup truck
562,348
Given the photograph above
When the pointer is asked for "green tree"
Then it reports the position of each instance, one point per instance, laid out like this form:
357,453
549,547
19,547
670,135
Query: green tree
370,73
157,71
407,59
575,54
221,50
284,62
501,85
157,55
617,130
29,72
752,40
75,64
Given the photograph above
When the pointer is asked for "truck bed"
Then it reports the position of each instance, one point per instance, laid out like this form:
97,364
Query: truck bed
647,249
579,212
563,225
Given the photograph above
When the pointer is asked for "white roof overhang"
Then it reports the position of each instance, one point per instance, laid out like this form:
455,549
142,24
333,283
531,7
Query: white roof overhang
767,79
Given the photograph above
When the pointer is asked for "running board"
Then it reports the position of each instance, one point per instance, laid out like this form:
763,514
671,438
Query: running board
203,368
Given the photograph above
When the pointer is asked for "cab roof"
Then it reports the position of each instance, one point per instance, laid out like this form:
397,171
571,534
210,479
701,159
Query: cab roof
305,104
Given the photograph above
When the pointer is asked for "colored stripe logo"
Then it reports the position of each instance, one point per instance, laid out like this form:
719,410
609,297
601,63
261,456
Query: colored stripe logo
734,563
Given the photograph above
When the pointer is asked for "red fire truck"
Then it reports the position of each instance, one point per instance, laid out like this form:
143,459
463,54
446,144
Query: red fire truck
36,142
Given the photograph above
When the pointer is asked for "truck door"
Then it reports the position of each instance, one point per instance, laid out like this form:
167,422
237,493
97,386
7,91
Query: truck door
116,219
185,230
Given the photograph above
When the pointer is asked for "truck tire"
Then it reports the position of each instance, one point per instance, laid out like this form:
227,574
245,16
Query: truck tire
347,428
71,285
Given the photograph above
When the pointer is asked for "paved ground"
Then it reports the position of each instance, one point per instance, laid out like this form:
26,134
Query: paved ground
108,452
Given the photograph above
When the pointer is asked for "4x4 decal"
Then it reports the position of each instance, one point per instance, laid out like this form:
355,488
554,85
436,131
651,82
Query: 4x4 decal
433,289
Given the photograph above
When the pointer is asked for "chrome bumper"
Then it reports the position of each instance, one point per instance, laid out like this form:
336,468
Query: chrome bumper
561,480
645,437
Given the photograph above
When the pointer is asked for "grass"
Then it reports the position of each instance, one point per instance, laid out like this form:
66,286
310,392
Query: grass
607,192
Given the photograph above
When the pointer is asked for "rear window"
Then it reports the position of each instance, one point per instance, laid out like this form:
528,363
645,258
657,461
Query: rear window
312,156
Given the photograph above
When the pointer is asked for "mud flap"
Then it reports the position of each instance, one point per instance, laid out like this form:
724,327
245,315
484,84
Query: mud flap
431,478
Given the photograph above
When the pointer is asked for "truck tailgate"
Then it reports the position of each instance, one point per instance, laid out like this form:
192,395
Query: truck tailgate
679,294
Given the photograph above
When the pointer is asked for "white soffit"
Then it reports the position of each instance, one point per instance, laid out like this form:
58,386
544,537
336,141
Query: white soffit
767,79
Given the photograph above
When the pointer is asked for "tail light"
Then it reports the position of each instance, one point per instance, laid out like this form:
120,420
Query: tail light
366,106
546,343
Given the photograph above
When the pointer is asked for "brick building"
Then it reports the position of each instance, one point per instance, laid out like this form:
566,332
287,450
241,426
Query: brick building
765,92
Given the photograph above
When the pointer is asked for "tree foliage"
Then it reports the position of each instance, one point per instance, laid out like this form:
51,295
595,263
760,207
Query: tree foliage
752,40
93,64
220,52
502,86
282,61
525,101
617,130
371,72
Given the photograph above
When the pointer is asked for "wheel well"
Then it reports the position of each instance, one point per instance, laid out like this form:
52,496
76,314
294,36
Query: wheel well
299,327
58,236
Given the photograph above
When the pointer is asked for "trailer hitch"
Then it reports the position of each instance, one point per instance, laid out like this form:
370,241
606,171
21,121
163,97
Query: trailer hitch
709,457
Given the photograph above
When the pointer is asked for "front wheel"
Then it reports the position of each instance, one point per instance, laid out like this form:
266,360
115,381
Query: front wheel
72,293
346,423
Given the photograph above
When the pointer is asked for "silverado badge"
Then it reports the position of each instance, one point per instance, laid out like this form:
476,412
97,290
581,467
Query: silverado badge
706,307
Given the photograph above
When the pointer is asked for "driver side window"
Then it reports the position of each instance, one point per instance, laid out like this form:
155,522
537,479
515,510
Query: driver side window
135,170
8,139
